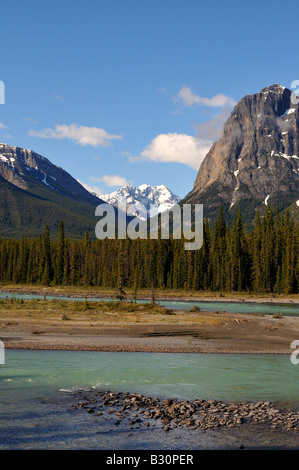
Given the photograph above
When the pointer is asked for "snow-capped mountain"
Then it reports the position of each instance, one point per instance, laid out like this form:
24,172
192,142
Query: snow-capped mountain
35,192
142,197
24,168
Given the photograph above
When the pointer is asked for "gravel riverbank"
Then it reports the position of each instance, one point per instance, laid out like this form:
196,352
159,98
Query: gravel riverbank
141,411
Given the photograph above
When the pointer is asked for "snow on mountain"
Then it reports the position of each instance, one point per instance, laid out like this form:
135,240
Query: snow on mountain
24,168
143,195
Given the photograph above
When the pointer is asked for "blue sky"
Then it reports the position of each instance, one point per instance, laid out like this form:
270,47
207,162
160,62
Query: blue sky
135,91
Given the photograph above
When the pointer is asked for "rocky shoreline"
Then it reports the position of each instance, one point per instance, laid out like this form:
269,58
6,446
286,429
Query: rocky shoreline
138,410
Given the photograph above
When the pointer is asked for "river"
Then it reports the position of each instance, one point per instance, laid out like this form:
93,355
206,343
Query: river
209,306
37,389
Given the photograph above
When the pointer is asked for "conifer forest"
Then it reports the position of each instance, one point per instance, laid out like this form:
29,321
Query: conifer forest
232,258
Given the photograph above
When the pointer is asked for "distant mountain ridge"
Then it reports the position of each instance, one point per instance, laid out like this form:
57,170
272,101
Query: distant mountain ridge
19,166
145,195
35,192
256,161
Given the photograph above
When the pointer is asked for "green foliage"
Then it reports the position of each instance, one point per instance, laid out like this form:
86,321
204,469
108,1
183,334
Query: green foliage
194,308
24,213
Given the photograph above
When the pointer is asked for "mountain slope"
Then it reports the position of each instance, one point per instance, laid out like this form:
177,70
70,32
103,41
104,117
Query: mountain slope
34,192
143,195
256,161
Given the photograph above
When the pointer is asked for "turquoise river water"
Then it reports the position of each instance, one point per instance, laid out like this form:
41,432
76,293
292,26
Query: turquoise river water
37,389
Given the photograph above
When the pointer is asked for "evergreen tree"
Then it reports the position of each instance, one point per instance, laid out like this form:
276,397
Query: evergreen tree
46,262
59,266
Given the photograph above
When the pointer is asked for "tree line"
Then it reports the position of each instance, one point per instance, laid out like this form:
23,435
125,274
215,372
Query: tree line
232,258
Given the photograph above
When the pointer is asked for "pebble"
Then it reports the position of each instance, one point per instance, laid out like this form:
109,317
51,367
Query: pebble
196,414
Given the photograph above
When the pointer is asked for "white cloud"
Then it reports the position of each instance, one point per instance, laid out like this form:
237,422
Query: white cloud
2,126
179,148
213,128
111,180
56,97
81,135
188,99
29,119
92,189
183,148
108,180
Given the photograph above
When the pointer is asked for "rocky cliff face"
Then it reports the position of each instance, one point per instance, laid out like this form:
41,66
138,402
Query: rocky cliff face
256,161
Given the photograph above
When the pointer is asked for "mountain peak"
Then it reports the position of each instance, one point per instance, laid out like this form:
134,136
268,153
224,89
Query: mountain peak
143,195
273,99
256,161
275,88
35,192
25,168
